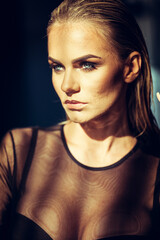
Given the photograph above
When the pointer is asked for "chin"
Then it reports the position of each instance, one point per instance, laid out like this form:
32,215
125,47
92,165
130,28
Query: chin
78,120
81,118
77,117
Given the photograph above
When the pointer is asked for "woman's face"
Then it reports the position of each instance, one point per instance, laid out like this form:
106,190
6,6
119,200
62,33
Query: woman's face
86,72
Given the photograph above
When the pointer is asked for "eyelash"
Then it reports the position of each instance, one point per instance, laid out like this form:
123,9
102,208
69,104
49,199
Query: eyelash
55,67
90,66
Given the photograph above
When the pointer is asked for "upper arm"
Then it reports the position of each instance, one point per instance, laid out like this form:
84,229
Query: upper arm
7,161
13,153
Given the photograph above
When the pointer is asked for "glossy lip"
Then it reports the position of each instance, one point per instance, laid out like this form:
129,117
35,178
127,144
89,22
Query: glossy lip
74,105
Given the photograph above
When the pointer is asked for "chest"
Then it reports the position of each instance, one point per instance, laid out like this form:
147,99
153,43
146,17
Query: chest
70,201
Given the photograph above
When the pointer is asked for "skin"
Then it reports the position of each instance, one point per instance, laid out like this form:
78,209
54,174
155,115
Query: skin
158,96
98,125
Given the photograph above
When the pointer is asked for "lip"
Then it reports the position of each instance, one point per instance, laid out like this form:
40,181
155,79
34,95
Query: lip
74,105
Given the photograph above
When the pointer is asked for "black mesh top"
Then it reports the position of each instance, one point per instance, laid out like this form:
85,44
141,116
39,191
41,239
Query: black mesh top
45,193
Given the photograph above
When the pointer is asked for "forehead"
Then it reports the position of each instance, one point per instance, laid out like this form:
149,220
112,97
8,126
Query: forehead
76,30
76,38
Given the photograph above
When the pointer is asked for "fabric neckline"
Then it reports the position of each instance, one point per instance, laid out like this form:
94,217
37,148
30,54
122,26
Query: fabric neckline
131,152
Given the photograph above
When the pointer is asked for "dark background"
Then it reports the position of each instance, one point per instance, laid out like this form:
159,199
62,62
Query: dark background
26,93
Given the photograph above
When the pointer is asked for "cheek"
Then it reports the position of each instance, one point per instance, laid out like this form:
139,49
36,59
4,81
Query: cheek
99,85
110,82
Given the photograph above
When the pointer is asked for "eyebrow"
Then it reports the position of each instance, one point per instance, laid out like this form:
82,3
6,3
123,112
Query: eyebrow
83,58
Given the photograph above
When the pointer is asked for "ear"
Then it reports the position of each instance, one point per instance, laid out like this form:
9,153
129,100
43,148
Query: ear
132,67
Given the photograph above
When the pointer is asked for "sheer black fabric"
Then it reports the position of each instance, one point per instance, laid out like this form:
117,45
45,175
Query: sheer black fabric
24,228
45,193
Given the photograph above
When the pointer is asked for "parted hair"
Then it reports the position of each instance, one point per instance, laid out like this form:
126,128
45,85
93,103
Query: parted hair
119,27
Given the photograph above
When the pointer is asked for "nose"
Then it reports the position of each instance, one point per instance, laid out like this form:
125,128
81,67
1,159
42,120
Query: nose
70,84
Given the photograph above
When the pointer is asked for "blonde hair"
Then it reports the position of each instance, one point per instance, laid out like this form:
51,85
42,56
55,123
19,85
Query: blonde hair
117,24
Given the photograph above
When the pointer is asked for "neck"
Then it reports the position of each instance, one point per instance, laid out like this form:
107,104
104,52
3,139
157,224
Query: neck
104,128
100,129
113,123
99,143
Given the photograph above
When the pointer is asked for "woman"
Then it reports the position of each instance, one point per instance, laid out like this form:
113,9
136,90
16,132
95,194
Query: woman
97,175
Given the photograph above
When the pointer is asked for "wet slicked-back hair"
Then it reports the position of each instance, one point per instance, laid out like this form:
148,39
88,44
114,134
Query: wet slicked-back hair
119,27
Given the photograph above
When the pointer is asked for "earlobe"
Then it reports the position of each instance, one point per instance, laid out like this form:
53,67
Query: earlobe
132,67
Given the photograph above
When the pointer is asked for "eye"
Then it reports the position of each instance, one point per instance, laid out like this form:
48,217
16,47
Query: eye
57,68
88,66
